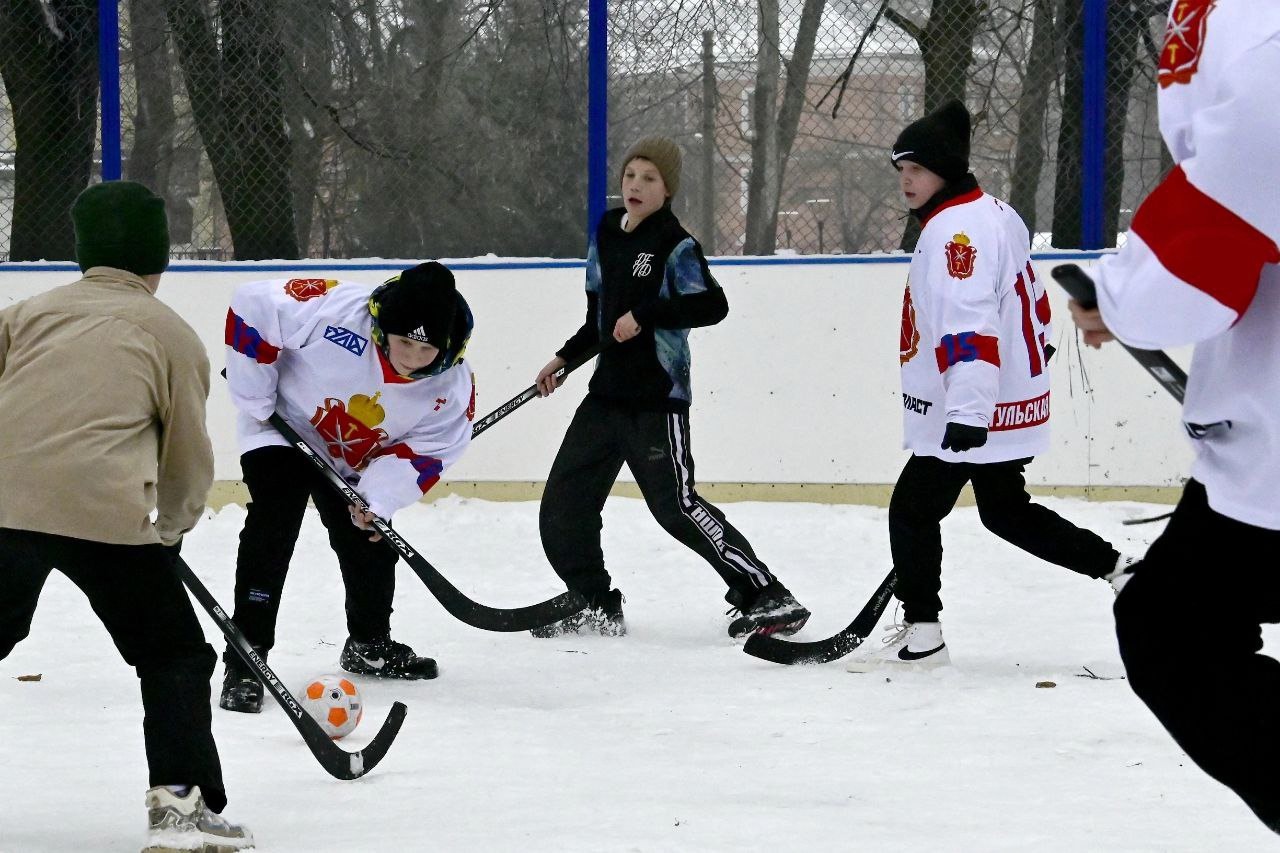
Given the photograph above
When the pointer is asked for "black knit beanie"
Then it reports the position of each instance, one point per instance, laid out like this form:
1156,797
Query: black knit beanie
419,304
939,142
121,224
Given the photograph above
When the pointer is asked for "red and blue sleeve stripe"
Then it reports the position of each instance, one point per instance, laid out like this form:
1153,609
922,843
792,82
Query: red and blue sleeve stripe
247,340
966,346
429,468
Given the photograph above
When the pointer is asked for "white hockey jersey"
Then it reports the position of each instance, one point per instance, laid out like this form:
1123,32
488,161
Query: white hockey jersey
304,348
1200,263
974,325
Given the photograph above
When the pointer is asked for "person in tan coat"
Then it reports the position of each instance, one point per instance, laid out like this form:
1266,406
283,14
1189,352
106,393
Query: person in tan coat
102,409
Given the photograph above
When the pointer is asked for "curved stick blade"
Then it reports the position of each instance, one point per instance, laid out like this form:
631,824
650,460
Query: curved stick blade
779,651
334,759
342,764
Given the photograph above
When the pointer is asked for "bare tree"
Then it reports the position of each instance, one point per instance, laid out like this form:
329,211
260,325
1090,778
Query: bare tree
775,133
946,48
1033,105
392,133
48,61
154,121
526,82
308,61
766,171
165,154
864,184
233,78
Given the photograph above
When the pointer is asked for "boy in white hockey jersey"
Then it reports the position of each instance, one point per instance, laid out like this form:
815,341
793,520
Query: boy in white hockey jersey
1202,266
376,377
975,385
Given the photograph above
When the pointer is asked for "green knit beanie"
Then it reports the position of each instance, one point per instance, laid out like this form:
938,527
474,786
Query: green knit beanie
121,224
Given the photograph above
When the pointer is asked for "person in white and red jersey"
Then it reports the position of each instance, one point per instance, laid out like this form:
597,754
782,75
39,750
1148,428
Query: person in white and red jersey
1200,266
975,386
376,377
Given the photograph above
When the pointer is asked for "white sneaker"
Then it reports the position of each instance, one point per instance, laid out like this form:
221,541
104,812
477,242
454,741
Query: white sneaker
909,646
1123,573
182,824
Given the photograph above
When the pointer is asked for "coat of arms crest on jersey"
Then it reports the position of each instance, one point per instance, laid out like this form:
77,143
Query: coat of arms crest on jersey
350,430
303,289
960,256
909,338
1183,41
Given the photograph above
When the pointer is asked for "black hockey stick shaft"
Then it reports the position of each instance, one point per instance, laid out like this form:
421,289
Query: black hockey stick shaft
1161,517
333,758
775,650
1165,370
532,391
454,601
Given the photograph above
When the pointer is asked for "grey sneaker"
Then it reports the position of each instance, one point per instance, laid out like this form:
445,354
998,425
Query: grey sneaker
183,824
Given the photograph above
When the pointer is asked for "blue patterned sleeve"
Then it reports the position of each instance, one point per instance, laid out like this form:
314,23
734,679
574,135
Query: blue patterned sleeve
593,267
690,296
686,270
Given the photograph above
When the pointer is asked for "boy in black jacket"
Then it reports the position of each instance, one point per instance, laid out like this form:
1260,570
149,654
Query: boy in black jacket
647,285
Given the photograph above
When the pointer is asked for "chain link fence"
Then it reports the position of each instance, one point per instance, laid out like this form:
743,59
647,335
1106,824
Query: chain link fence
457,128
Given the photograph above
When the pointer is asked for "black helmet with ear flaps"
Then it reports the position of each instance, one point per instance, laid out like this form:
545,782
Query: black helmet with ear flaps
423,304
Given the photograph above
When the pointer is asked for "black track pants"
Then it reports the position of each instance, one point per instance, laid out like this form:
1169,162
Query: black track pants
1197,664
280,479
655,446
927,491
137,594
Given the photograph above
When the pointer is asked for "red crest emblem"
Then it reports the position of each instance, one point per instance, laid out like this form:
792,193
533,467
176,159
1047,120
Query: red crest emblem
960,256
909,338
347,438
303,289
1183,41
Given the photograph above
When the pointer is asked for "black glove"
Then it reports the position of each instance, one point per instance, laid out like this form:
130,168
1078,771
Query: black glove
962,437
1049,350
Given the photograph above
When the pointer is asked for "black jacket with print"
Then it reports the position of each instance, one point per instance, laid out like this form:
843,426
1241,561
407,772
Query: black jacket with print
659,274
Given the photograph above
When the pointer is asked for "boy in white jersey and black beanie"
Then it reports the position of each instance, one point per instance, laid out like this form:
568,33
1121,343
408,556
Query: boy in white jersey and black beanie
975,386
648,284
1201,266
374,376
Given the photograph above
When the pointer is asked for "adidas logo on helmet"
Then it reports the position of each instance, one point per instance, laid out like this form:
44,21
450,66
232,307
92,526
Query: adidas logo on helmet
423,304
419,304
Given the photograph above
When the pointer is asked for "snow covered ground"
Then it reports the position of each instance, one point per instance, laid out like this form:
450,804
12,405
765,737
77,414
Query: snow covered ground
668,739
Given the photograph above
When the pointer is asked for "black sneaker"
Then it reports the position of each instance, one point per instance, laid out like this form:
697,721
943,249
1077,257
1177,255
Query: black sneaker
385,658
602,615
241,689
772,610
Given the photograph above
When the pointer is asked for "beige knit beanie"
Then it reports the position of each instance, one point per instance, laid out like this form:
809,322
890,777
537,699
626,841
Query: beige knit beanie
661,152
